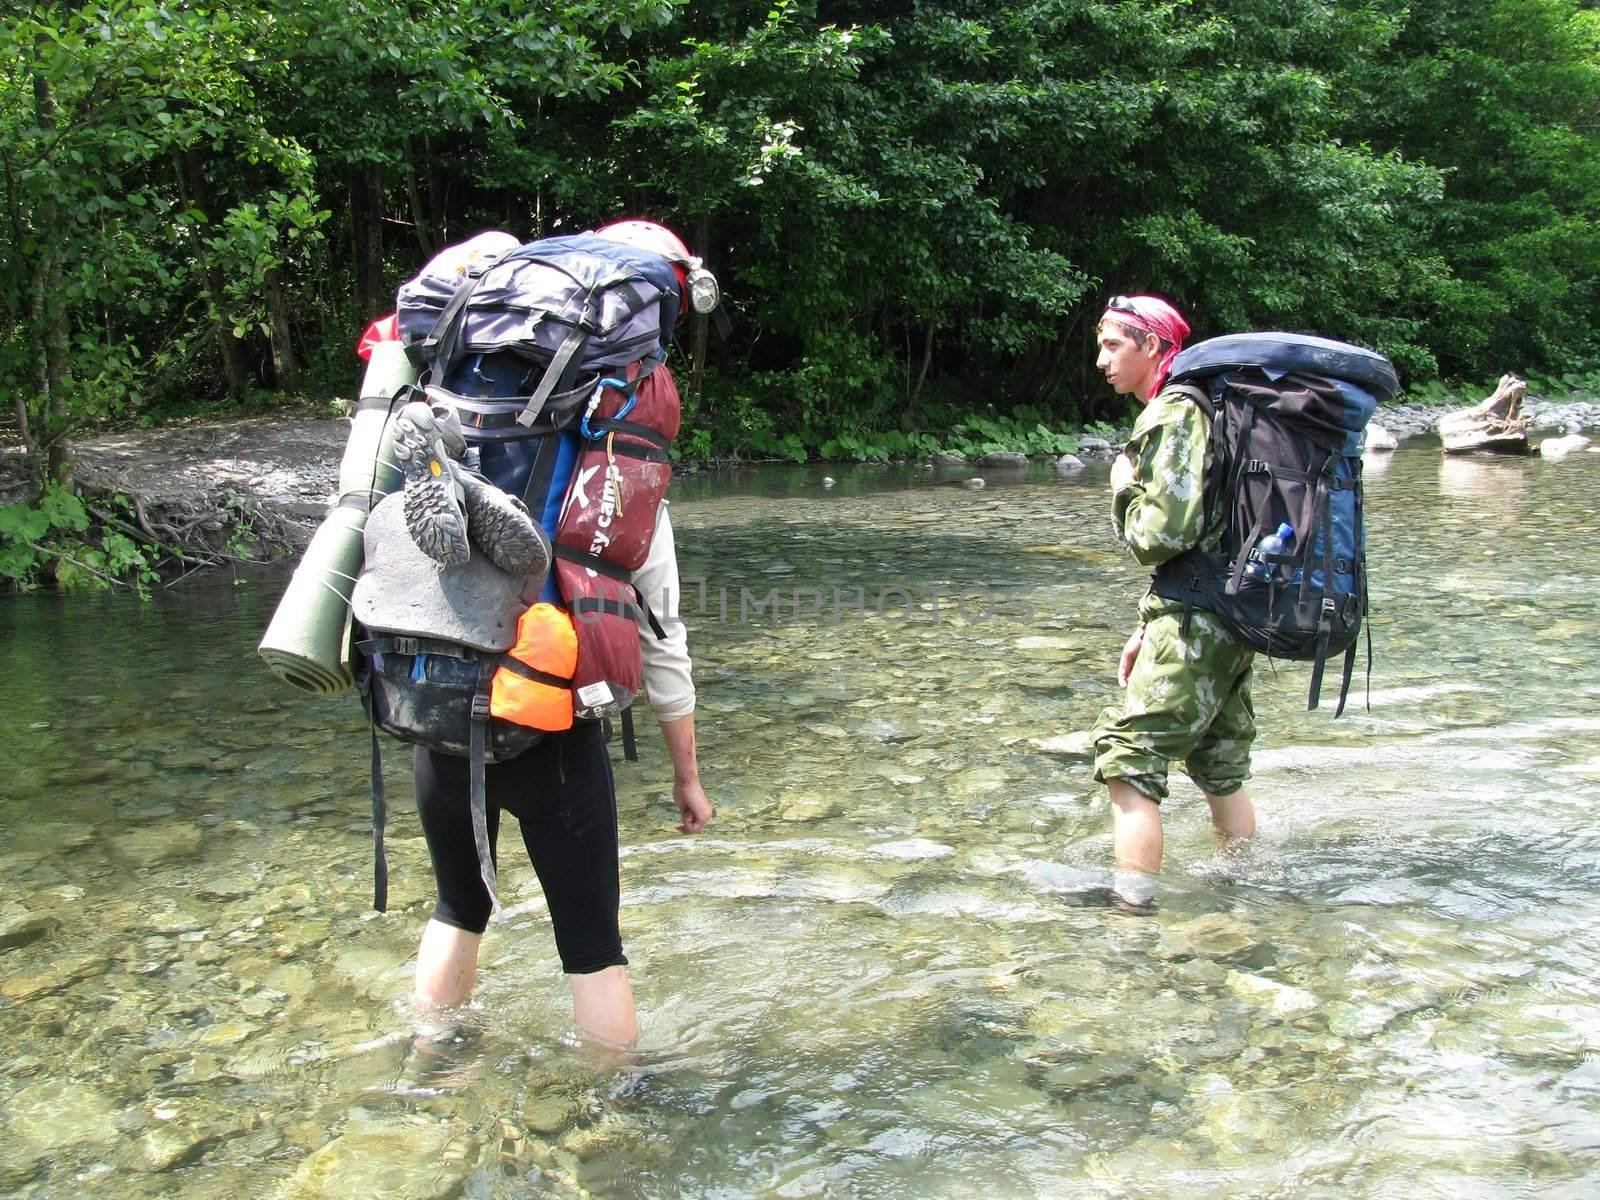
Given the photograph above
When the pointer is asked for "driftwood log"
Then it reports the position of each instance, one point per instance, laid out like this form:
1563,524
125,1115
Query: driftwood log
1497,426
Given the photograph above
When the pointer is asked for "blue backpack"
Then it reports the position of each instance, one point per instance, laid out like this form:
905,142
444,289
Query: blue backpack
1288,413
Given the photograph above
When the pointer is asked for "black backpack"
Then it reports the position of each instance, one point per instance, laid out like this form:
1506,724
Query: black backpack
1288,414
540,322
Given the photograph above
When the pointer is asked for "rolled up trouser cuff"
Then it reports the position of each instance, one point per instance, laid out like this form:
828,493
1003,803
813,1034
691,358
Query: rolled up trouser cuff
1150,783
1187,701
1220,787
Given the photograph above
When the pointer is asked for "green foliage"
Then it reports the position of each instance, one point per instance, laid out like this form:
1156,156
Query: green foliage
1501,96
1019,431
1431,393
915,210
1579,386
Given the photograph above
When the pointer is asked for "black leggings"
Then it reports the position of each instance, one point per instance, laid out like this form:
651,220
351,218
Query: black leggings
562,794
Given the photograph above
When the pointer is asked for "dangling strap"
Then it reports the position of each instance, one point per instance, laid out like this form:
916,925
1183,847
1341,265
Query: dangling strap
439,347
1237,468
563,367
478,790
1324,484
1315,692
1349,666
380,816
1324,630
630,744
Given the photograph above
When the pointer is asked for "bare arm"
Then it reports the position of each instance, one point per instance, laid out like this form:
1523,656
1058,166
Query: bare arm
687,793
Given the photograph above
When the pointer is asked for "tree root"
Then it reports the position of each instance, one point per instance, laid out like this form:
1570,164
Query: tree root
183,535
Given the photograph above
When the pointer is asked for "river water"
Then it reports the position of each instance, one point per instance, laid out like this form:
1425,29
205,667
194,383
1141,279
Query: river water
878,974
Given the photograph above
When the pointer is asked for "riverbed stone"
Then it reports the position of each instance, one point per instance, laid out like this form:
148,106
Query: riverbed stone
1238,1122
1560,447
378,1158
54,977
545,1115
371,970
22,927
1077,744
1003,458
1090,1074
50,1113
170,841
1213,935
1069,464
1358,1021
1380,439
1280,998
1043,648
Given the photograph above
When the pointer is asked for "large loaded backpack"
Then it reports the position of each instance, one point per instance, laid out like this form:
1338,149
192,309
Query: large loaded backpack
551,354
1288,414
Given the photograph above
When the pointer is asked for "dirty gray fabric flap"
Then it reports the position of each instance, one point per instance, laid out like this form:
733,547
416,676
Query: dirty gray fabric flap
402,590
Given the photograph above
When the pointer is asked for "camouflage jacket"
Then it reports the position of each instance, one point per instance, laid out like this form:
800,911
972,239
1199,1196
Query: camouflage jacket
1162,512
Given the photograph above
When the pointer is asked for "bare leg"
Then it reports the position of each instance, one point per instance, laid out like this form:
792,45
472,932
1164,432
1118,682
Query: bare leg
1136,839
447,964
1233,818
1136,828
602,1009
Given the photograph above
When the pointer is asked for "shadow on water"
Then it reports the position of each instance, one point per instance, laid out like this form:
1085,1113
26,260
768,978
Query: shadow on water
883,971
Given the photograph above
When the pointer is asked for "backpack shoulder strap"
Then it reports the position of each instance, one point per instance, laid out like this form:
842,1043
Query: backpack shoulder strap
1219,475
1190,392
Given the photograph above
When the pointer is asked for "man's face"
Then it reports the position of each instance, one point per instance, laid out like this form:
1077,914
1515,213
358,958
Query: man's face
1128,358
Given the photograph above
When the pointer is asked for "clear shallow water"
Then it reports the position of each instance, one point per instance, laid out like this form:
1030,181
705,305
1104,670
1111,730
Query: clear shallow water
875,975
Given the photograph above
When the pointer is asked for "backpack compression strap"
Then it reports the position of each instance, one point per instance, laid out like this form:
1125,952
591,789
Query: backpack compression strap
477,786
380,816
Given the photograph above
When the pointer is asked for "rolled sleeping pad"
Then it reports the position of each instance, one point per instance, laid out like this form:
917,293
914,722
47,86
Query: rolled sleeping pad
307,643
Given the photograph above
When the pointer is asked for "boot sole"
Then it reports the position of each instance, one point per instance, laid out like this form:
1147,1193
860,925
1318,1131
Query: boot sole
503,529
433,517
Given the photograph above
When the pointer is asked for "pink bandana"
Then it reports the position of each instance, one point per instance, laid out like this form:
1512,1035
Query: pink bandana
1154,315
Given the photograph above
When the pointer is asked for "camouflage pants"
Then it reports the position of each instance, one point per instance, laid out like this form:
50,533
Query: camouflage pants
1188,700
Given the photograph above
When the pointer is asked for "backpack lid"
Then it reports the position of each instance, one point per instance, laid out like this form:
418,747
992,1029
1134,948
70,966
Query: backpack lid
1278,354
401,590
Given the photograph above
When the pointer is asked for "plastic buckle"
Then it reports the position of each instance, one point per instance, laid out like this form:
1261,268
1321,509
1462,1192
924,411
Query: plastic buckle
480,707
1330,606
407,645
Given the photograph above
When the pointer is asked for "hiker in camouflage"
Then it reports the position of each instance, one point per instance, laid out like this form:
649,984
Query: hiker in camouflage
1188,691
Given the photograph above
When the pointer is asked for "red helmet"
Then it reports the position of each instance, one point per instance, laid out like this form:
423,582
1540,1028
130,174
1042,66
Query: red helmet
696,287
647,235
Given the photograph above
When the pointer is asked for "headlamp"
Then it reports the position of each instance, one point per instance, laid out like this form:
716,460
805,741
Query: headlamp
703,291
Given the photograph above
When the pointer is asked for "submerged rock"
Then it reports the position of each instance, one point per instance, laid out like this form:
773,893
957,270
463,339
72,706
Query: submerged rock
1281,998
1003,458
157,844
396,1158
1215,935
1560,447
1379,438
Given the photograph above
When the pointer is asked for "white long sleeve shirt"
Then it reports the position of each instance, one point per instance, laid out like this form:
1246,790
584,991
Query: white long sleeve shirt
668,670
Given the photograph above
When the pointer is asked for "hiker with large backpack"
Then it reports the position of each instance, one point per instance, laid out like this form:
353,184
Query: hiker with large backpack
505,586
1188,691
1241,486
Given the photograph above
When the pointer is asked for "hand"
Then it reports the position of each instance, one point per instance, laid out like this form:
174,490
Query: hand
693,806
1130,652
1122,473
